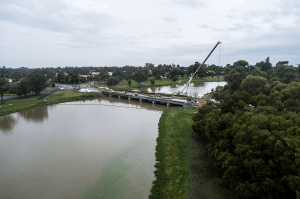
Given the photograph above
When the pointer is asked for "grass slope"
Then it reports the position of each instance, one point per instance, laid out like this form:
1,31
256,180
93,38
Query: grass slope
172,172
20,104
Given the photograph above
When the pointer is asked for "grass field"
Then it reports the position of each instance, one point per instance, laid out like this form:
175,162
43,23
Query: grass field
20,104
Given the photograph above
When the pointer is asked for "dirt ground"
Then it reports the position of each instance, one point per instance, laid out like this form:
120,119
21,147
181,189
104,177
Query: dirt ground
203,176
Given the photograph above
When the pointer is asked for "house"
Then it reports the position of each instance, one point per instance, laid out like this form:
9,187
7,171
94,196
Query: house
110,73
95,73
83,76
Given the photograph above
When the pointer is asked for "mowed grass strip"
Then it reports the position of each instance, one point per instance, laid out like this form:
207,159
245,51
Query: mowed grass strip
172,172
16,105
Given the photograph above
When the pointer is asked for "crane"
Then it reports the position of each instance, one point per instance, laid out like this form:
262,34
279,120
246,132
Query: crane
186,86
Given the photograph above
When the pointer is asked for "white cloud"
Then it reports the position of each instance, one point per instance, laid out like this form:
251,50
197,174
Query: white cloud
117,33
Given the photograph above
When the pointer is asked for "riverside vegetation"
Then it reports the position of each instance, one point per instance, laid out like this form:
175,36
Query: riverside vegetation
20,104
253,132
175,167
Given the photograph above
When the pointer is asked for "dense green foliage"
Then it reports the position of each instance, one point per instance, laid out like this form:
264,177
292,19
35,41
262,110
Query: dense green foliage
112,81
37,82
3,86
140,76
24,87
254,131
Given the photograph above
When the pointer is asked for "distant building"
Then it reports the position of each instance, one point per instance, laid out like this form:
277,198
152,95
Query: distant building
110,73
95,73
84,76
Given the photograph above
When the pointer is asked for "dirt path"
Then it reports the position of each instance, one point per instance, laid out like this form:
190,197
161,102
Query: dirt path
203,176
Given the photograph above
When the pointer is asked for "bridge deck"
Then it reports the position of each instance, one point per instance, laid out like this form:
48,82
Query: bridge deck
148,98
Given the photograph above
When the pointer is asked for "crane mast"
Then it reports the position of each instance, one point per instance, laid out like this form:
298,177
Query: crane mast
186,86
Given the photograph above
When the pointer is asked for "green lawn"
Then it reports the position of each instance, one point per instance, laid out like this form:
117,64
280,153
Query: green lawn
172,172
8,94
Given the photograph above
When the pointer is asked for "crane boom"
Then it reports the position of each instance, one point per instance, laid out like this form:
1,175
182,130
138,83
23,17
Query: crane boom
186,86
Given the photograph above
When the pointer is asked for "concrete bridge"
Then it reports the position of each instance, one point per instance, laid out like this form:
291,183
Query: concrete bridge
167,101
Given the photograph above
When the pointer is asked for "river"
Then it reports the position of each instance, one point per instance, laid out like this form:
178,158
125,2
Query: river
195,89
94,147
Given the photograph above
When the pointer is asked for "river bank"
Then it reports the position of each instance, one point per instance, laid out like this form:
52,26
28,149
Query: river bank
184,169
20,104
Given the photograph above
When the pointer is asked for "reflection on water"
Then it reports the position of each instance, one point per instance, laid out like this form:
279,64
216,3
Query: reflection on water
104,146
36,114
195,89
77,146
7,123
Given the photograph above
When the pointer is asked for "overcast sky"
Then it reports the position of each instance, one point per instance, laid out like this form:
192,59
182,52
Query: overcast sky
52,33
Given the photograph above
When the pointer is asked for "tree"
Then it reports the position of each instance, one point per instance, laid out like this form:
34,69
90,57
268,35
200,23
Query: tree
202,72
98,78
118,72
3,72
152,80
285,73
157,72
241,63
254,85
235,77
74,78
104,75
3,86
61,77
129,82
17,76
157,77
112,81
139,77
13,89
37,82
174,79
23,87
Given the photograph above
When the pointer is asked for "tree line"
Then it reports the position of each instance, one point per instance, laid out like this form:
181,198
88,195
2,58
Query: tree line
253,129
33,82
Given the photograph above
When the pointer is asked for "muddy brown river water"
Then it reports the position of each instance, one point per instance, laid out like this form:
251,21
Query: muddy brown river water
70,150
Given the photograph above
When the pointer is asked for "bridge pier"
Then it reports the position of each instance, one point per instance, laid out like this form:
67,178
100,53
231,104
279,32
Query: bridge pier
153,102
168,104
119,96
140,100
129,98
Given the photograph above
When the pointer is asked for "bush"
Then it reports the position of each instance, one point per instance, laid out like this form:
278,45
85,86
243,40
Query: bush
174,79
152,80
112,81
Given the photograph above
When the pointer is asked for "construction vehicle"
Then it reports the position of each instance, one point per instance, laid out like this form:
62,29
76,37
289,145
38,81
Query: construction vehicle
183,93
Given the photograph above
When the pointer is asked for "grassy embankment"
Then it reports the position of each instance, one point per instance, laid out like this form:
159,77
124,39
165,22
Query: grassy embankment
123,85
172,169
20,104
